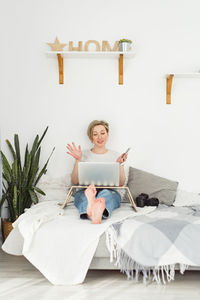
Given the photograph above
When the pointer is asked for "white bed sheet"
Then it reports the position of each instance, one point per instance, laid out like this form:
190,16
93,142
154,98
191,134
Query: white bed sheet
61,247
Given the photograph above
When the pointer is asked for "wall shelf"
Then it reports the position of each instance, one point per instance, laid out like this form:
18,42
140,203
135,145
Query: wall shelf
169,80
90,54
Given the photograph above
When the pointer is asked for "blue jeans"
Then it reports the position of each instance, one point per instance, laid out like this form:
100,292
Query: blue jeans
112,201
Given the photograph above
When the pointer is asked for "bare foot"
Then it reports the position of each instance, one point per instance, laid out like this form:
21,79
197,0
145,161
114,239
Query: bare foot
97,208
90,193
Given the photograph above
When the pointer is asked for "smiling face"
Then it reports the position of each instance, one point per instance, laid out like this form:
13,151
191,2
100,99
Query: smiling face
99,136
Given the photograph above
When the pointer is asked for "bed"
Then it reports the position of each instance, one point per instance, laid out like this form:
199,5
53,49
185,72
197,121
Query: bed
63,247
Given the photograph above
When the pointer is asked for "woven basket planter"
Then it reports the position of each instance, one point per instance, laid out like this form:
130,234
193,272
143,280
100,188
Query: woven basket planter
6,228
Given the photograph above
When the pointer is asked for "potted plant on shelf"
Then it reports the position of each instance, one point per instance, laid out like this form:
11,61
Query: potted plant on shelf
124,45
20,182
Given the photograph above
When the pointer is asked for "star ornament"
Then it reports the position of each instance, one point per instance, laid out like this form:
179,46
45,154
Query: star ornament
56,46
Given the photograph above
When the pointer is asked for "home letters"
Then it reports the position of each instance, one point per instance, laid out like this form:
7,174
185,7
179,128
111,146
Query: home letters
105,46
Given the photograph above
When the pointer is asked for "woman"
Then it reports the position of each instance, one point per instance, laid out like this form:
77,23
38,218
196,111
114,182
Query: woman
91,202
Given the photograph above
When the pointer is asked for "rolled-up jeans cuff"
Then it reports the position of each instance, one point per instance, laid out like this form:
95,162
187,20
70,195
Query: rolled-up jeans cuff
106,213
83,216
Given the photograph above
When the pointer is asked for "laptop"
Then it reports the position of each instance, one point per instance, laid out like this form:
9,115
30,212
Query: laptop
98,173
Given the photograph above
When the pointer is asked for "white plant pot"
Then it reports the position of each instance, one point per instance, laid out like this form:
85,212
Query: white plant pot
124,46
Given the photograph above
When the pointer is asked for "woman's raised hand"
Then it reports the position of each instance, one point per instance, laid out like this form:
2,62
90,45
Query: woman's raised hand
73,151
122,158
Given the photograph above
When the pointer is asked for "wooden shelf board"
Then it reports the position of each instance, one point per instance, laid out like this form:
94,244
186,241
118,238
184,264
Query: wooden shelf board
72,54
185,75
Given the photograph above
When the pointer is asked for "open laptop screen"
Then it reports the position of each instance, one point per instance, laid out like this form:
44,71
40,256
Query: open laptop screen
98,173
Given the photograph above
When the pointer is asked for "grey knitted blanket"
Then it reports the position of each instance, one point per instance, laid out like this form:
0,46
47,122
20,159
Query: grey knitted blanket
152,245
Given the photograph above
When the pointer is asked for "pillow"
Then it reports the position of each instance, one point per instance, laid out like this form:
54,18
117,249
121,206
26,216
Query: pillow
155,186
184,198
54,188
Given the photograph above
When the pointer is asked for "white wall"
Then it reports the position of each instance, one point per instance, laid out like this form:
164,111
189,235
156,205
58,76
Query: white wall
164,138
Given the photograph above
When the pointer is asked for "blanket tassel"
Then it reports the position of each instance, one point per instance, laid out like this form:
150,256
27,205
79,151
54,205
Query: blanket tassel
127,265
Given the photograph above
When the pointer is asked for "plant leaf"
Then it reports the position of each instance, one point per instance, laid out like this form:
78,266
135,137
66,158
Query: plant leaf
17,149
11,208
3,199
43,136
34,196
33,172
25,156
37,157
39,190
35,146
7,172
27,167
15,200
44,170
11,149
20,208
15,171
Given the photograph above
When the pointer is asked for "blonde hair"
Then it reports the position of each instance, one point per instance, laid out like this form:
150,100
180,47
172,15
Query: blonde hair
96,123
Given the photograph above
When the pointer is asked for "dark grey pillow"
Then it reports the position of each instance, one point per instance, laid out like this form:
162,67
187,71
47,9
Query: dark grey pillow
155,186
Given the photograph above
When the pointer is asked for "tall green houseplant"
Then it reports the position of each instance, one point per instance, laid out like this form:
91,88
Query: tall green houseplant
20,181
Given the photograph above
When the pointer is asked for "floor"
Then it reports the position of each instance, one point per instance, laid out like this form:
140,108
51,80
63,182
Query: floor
20,280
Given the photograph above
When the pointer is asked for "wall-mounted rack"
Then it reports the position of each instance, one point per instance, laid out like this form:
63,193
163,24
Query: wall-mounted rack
169,80
94,54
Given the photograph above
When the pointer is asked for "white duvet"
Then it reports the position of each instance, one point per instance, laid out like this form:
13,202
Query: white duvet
58,242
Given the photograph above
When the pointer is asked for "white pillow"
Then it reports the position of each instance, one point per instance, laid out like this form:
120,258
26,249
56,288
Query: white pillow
56,189
184,198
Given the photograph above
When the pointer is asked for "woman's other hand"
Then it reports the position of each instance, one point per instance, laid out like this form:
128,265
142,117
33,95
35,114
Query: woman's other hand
73,151
122,158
